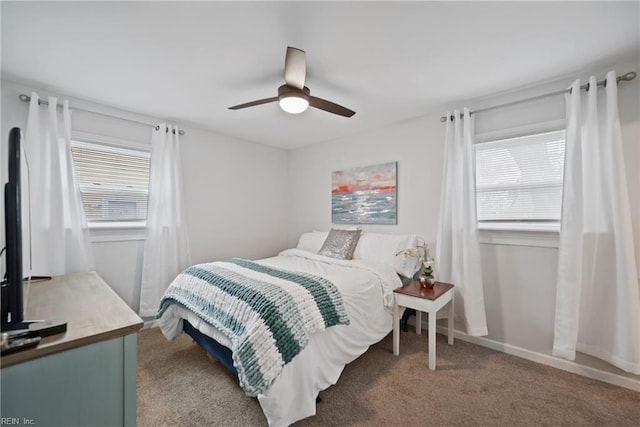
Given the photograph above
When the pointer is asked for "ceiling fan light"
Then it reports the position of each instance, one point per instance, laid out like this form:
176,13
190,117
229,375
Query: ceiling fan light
293,104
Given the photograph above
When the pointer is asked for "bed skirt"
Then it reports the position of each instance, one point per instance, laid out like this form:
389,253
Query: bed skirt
221,353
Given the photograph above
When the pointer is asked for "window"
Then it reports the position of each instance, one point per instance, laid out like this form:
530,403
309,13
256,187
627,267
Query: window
519,182
114,183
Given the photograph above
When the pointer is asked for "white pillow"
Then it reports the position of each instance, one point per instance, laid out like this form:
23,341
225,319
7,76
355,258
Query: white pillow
384,247
312,241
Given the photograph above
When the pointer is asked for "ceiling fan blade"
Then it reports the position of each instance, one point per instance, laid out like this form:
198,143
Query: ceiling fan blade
254,103
329,106
295,67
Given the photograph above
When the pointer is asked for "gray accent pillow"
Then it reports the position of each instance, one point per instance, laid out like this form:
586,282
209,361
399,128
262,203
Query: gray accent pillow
340,244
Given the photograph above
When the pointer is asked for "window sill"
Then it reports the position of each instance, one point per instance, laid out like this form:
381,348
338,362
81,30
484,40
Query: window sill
520,234
117,231
520,226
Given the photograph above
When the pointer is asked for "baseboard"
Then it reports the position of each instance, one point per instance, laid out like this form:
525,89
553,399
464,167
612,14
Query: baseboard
545,359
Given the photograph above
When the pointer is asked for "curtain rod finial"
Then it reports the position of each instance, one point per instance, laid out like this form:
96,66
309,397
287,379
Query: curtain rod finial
629,76
24,98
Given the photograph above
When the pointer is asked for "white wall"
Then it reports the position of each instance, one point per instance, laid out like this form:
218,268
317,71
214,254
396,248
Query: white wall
235,192
519,272
417,147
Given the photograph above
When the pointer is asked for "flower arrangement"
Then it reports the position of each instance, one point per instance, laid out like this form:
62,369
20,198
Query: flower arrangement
421,254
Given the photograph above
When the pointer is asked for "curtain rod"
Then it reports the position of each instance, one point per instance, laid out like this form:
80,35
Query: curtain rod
27,98
625,78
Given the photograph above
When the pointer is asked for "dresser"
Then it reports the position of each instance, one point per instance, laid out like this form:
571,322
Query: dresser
85,376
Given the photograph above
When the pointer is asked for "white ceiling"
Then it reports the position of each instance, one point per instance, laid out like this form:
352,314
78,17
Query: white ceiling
388,61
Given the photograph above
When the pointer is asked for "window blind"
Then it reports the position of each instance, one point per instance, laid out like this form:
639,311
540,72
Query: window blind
114,181
520,179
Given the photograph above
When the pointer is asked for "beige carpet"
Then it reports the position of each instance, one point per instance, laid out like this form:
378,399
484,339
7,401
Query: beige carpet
178,385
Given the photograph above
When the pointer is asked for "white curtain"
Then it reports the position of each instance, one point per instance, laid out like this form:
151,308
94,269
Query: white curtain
597,300
458,249
166,247
58,233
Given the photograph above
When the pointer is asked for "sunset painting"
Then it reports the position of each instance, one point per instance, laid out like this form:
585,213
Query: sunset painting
365,195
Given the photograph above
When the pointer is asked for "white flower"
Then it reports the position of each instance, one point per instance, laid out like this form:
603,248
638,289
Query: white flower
421,254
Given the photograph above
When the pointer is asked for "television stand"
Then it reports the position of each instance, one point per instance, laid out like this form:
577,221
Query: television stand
17,327
38,278
45,328
40,328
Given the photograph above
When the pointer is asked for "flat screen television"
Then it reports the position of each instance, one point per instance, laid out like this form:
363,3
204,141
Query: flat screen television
12,287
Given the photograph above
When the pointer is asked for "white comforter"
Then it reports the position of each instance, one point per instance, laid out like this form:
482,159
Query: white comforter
367,292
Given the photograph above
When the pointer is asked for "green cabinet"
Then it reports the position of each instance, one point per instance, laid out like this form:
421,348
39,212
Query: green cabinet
83,377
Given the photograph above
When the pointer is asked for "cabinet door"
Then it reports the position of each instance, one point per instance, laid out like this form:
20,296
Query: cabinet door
79,387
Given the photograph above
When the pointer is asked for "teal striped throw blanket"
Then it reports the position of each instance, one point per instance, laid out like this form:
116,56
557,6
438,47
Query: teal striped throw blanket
266,313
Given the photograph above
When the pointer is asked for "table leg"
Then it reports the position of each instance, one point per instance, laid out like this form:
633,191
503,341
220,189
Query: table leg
450,323
396,329
432,340
418,322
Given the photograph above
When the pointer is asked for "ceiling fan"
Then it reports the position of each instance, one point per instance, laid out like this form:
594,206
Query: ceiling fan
293,96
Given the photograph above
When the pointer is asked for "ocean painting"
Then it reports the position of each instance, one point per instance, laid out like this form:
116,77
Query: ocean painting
365,195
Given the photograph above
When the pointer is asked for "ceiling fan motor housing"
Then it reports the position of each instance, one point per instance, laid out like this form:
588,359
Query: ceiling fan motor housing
285,91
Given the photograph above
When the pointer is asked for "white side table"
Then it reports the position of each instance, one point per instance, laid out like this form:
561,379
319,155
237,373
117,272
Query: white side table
429,300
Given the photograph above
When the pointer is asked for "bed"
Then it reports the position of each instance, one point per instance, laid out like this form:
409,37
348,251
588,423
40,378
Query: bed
365,286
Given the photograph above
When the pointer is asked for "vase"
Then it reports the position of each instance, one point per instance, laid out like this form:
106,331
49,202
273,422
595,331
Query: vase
426,280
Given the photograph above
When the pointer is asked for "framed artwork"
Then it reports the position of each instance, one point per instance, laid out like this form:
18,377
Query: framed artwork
365,195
